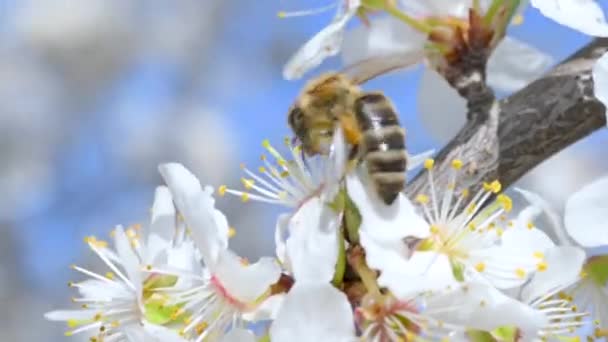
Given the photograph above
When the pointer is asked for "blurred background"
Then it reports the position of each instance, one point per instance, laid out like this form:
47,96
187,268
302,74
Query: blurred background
95,93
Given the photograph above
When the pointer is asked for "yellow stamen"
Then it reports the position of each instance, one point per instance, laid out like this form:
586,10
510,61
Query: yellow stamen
429,163
505,201
480,267
542,266
517,20
530,225
422,199
231,232
457,164
539,255
110,275
222,190
245,197
247,183
520,273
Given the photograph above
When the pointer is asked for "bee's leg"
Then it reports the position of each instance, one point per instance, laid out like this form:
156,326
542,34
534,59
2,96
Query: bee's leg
352,133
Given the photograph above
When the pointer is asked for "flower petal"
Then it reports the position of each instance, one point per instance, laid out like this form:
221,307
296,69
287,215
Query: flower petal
564,265
267,310
245,282
324,44
209,227
514,64
600,80
65,315
384,37
312,247
483,307
424,271
585,16
162,222
238,335
385,222
128,258
440,108
554,218
314,312
586,214
160,334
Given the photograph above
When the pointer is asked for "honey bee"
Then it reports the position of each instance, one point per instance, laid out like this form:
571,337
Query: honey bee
369,121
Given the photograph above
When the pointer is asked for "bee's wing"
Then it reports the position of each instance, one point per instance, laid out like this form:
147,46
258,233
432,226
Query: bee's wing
375,66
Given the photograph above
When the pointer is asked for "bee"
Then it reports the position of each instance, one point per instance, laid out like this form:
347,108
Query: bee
369,121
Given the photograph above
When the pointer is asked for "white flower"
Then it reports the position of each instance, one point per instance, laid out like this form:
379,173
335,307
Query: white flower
442,313
542,292
474,242
229,287
586,214
591,292
324,44
112,303
600,80
512,65
313,309
585,16
584,222
293,180
314,312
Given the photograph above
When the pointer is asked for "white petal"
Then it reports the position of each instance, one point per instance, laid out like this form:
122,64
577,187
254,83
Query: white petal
238,335
314,312
324,44
563,269
280,238
415,160
385,222
585,16
514,64
163,214
600,80
159,333
208,226
440,108
244,282
586,214
554,218
312,246
483,307
64,315
155,249
424,271
267,310
385,36
128,258
523,240
424,8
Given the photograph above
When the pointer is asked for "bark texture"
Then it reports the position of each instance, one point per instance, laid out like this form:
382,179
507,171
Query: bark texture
521,131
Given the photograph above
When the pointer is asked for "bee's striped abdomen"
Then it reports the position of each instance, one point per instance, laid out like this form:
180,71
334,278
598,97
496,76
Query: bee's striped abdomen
383,144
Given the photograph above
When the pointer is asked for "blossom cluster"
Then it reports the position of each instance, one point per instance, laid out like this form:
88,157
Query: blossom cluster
453,261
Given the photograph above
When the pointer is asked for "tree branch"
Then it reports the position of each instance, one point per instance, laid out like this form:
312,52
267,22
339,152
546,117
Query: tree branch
528,127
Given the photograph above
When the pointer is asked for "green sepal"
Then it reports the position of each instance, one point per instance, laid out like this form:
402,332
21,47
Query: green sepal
597,269
341,262
374,4
506,333
457,270
352,220
157,312
480,336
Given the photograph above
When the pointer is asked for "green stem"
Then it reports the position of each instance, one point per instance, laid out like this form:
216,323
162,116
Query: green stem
356,259
491,13
476,6
341,262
